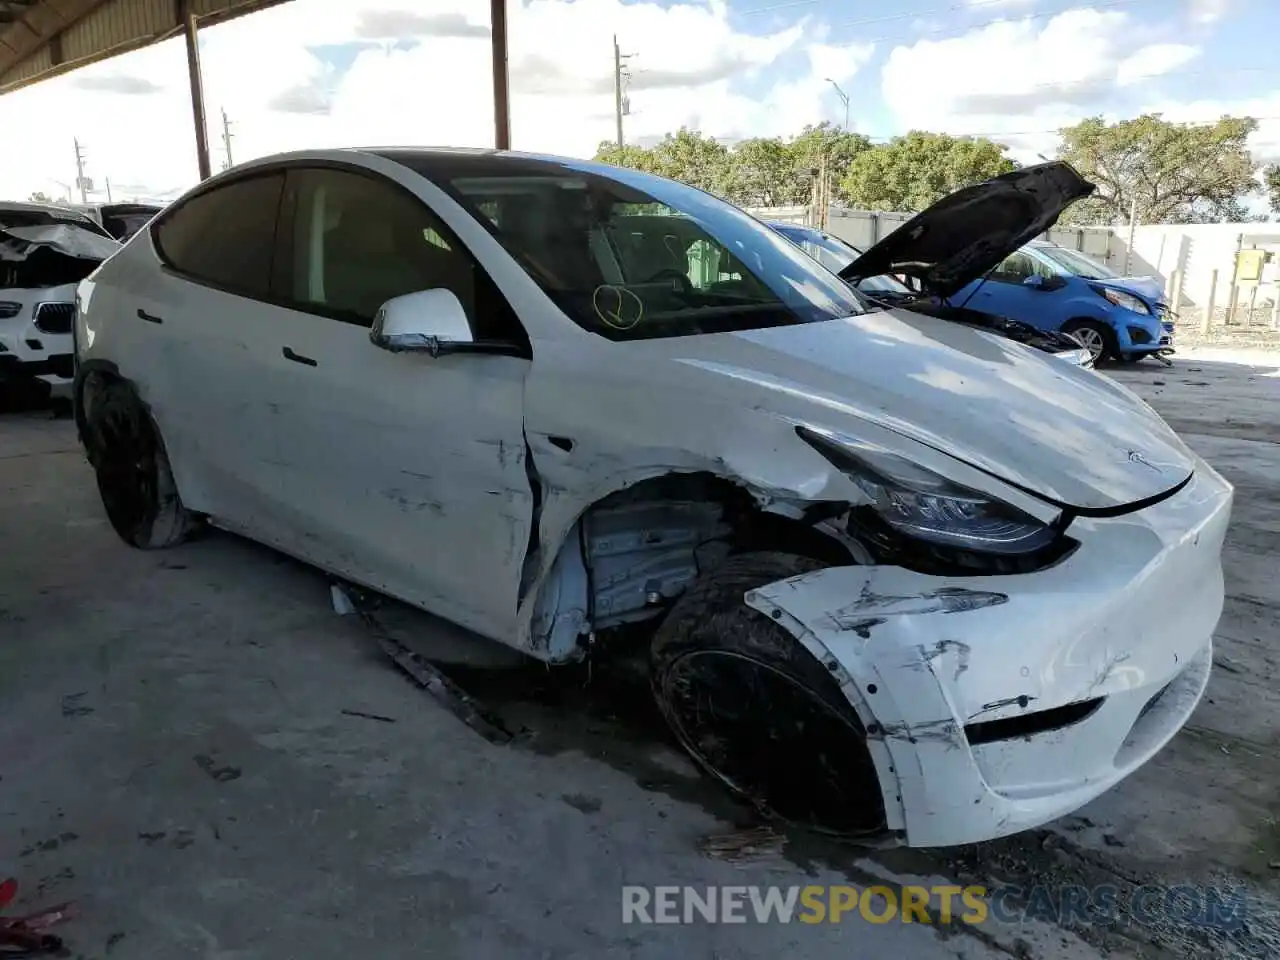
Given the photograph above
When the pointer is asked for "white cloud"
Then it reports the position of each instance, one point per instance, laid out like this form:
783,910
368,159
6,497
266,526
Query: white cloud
1153,61
985,5
1022,79
1008,69
1208,11
690,65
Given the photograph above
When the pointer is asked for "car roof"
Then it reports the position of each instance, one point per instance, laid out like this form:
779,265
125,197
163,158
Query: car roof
478,160
12,206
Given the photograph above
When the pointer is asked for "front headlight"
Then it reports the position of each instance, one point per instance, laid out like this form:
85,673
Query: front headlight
1122,299
922,519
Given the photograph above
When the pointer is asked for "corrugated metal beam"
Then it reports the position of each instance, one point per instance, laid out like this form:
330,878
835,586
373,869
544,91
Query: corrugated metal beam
33,29
94,30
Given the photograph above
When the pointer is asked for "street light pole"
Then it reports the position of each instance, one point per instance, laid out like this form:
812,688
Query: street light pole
844,98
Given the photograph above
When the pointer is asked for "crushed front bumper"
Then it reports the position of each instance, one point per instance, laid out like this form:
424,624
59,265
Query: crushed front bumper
996,704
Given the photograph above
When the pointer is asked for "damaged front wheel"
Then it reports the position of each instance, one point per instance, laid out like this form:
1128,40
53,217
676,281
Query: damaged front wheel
757,710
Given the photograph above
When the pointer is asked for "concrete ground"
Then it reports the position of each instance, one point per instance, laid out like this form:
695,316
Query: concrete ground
213,764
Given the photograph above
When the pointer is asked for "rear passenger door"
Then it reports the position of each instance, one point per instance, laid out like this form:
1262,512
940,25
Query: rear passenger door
402,471
200,326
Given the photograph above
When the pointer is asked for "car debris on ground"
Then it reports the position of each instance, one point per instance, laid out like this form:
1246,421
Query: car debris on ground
26,936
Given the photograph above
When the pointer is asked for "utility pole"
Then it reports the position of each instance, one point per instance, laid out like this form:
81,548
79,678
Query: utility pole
1133,226
108,182
81,182
226,140
621,105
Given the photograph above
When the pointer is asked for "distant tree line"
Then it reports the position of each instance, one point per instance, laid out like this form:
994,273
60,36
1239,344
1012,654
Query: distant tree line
1164,172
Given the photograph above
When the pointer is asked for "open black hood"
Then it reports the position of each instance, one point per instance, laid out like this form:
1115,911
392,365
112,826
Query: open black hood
966,233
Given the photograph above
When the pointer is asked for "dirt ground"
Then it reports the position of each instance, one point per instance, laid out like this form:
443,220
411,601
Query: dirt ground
196,749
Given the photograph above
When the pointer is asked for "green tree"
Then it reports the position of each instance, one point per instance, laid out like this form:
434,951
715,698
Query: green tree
1271,176
1165,172
637,158
917,170
762,172
691,158
838,146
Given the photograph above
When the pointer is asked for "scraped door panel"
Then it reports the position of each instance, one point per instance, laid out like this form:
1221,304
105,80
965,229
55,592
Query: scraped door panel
403,472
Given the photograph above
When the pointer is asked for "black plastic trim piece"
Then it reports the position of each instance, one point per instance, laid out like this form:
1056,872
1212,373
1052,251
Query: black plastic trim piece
1030,724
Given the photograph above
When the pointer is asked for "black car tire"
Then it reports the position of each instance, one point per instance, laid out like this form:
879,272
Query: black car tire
135,480
757,711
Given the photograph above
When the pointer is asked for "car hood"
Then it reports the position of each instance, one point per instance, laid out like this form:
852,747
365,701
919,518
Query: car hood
967,233
1067,435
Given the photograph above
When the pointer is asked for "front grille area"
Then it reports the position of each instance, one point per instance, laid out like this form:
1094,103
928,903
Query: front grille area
55,317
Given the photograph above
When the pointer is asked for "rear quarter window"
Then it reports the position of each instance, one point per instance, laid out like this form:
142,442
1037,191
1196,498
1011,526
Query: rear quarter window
224,237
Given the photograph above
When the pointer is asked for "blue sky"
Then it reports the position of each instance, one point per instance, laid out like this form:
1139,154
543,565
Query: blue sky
341,72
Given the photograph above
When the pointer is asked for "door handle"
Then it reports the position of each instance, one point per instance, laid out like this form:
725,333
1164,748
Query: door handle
289,354
149,317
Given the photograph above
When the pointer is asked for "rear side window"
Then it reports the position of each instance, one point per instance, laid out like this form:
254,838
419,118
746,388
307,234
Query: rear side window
225,237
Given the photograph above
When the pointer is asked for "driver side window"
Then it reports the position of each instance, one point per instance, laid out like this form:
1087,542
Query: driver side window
357,242
1017,267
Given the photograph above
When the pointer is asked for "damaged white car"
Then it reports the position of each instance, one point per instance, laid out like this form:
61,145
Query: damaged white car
44,252
908,579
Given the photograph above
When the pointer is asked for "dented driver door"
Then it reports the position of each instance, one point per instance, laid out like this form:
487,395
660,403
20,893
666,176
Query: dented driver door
402,471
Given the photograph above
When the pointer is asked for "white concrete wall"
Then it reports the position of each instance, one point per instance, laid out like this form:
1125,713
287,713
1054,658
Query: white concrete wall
1197,250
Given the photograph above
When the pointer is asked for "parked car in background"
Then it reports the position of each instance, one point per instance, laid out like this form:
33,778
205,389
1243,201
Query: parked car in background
835,254
1055,288
45,251
905,580
121,220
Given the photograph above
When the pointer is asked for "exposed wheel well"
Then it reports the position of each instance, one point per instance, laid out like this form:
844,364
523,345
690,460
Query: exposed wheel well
752,526
634,552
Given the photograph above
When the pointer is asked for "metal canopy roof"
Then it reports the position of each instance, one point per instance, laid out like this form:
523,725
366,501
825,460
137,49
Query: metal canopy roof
43,38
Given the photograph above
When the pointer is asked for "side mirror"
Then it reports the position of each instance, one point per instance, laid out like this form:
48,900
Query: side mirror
1035,282
428,321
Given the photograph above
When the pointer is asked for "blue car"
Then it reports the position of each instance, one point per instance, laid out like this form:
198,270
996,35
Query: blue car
974,253
1054,288
889,291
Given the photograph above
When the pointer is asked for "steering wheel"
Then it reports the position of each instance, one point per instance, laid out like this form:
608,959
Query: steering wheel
671,273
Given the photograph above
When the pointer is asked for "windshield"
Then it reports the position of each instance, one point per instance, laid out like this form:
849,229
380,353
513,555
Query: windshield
834,254
1075,263
631,256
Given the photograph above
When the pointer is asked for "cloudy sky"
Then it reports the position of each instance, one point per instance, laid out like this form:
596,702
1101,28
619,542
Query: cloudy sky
347,72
